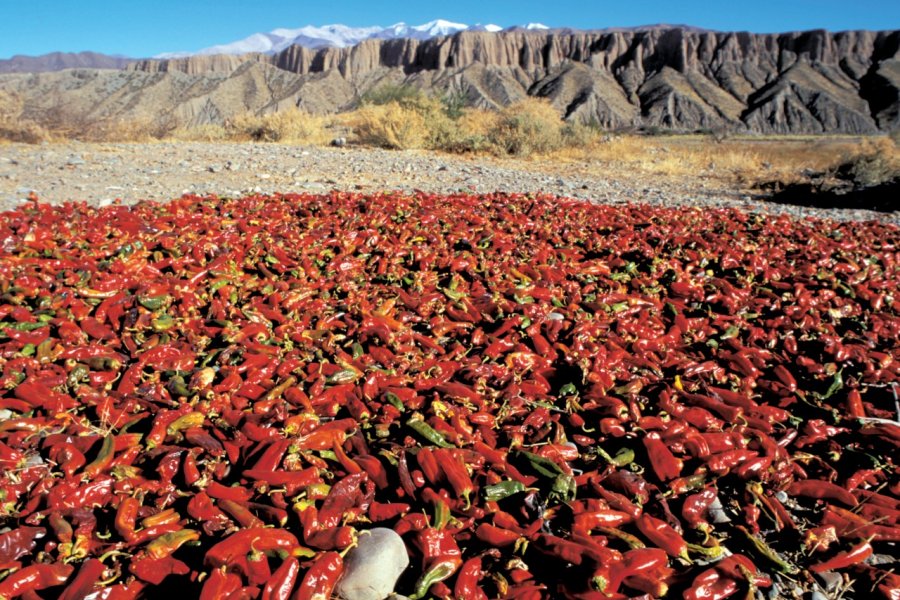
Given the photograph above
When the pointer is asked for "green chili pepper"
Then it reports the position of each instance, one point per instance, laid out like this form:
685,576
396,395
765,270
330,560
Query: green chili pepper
441,514
395,401
568,390
162,322
438,572
543,466
623,457
763,550
504,489
344,376
836,385
428,432
564,488
152,302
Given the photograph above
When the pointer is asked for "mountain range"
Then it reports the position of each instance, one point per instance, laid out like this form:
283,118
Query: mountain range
341,36
661,77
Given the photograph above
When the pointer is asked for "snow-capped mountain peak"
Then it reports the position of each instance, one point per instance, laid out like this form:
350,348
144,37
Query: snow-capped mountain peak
339,36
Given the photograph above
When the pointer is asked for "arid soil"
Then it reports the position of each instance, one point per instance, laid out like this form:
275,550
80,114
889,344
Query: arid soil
102,173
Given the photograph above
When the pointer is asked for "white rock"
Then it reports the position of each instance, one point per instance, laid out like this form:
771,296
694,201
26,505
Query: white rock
371,570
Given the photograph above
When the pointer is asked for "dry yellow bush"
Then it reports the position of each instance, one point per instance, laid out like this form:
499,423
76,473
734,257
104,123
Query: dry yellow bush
201,133
289,125
526,127
15,129
390,126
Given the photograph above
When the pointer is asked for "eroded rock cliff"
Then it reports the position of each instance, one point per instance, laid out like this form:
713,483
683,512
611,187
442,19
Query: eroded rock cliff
673,78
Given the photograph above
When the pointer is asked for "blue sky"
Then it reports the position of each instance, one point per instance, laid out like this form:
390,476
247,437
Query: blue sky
146,28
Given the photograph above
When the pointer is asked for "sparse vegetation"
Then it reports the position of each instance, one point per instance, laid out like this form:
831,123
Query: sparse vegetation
290,125
528,127
404,117
15,129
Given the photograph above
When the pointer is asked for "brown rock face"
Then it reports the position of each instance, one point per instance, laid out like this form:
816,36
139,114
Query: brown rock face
672,78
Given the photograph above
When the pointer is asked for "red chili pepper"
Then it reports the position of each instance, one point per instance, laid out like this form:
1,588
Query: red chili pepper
496,536
239,544
321,578
842,560
663,535
454,469
18,542
710,585
695,506
89,574
467,580
35,577
220,584
664,463
822,490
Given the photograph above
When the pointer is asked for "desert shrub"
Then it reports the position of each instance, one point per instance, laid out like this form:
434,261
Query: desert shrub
392,92
391,125
526,127
581,135
894,136
470,132
25,132
122,130
201,133
289,125
874,162
15,129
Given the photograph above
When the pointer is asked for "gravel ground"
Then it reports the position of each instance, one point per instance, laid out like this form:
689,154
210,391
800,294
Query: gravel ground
100,173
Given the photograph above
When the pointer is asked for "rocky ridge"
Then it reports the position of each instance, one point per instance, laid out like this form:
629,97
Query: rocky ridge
668,78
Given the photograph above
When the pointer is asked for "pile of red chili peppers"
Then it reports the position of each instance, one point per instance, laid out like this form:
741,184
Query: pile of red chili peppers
544,398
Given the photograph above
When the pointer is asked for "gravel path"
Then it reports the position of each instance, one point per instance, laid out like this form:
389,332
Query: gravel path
100,173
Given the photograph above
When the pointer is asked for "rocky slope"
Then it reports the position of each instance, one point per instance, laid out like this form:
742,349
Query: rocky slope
670,78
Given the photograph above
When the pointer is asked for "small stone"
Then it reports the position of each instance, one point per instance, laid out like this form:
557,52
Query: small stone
830,580
371,570
75,160
214,169
33,460
264,176
717,512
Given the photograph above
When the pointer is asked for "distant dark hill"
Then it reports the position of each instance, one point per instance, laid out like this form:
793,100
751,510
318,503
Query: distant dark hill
57,61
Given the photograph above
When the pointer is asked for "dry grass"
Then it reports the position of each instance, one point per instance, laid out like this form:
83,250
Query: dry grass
390,125
528,127
289,126
745,161
401,117
15,129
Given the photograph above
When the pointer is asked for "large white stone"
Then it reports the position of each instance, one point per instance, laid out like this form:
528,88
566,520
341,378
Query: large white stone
371,570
